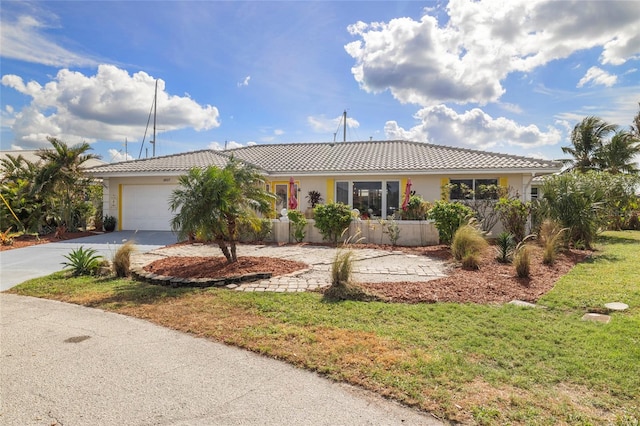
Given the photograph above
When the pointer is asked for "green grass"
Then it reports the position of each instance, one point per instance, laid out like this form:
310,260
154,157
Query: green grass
484,364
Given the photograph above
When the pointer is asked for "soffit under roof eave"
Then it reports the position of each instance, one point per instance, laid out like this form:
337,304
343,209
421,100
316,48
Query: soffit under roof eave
132,174
528,171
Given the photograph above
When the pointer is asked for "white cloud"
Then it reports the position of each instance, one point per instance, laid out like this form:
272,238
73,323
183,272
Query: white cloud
116,156
322,124
597,76
244,82
471,129
221,146
466,60
23,37
110,105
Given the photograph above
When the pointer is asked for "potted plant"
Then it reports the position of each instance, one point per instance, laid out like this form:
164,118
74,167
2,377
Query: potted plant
314,198
109,223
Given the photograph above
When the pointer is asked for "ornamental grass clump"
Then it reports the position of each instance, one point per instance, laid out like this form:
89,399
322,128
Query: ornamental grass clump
551,237
467,246
342,287
122,259
522,261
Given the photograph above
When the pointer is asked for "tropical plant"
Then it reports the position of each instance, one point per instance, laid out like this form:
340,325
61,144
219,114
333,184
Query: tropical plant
619,154
448,217
213,202
314,197
61,178
505,244
588,202
416,209
21,207
514,214
109,223
7,237
83,262
122,259
332,220
299,223
586,140
467,246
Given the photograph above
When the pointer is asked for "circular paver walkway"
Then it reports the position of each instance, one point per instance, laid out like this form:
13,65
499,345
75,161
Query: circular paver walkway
370,265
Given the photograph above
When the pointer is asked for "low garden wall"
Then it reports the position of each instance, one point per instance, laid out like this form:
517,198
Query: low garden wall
412,232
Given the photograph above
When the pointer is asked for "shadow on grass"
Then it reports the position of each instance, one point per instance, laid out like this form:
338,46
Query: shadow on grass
610,239
139,293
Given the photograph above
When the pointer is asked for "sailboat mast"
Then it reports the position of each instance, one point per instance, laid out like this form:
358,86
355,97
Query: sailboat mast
344,119
155,112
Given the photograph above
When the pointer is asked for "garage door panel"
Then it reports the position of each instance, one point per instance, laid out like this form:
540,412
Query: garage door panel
146,207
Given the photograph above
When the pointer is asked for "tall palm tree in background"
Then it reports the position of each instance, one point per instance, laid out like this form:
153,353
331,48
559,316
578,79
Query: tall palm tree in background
212,202
61,177
619,154
587,138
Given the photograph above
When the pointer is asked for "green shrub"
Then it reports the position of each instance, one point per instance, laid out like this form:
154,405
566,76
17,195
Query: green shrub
416,209
467,246
391,228
332,220
505,244
522,261
109,223
83,262
255,230
448,217
299,223
122,259
514,215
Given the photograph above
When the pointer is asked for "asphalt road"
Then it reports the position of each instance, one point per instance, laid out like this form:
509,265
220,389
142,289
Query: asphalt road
63,364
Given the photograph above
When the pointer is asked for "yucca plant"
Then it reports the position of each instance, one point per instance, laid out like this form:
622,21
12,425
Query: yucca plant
505,243
83,262
122,259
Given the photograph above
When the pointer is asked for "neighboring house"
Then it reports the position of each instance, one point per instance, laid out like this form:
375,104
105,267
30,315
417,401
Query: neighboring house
370,176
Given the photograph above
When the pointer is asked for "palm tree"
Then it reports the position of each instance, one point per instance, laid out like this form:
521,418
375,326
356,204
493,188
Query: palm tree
61,175
617,156
586,139
212,202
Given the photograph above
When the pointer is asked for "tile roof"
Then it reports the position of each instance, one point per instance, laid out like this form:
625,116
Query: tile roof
176,163
340,157
380,156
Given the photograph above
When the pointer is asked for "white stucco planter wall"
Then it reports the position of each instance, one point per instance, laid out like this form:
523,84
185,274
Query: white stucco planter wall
412,232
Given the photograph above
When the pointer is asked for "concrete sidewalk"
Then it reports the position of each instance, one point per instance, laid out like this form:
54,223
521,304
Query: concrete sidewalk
67,364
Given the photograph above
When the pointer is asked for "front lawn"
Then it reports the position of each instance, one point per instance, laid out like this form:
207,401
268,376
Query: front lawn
485,364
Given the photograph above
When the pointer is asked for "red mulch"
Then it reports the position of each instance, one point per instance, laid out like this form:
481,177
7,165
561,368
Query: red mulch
32,240
494,282
214,267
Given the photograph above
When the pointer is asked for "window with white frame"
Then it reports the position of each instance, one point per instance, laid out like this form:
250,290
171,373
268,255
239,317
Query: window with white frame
469,189
371,198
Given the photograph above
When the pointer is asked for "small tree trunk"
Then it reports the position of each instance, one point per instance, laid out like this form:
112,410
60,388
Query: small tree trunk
225,250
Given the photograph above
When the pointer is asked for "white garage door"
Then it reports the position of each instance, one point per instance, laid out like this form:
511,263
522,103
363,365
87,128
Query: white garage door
146,207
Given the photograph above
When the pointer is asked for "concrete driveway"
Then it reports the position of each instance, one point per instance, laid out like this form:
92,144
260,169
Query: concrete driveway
19,265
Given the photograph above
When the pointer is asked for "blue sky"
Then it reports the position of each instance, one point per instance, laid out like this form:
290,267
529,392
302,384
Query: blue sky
511,77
